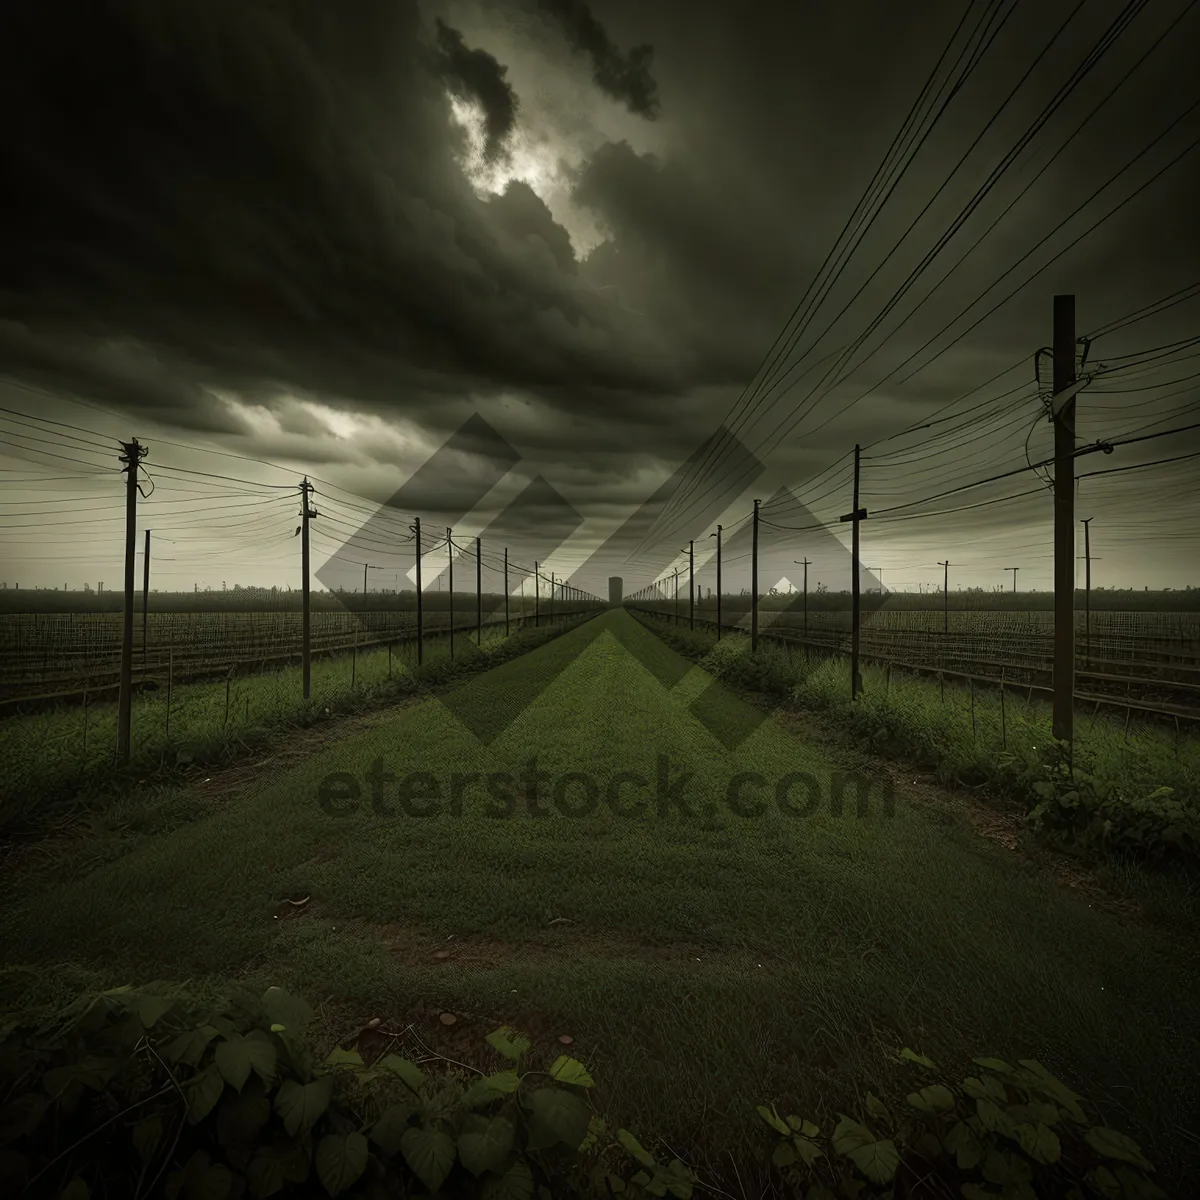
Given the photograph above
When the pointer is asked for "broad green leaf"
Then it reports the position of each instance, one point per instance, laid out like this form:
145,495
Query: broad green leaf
407,1072
515,1184
907,1055
1105,1182
340,1160
77,1189
570,1070
203,1091
487,1149
1040,1142
877,1109
508,1042
491,1088
387,1132
282,1008
773,1119
635,1148
967,1149
993,1064
1112,1144
801,1126
989,1088
933,1099
1005,1168
341,1060
188,1048
558,1116
807,1149
430,1154
994,1118
232,1057
784,1154
301,1105
150,1008
877,1161
850,1135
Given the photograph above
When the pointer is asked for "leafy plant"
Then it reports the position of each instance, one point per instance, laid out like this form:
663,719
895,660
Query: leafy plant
1074,807
145,1092
1004,1133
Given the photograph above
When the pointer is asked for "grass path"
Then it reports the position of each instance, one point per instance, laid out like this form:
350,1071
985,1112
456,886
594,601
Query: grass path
708,961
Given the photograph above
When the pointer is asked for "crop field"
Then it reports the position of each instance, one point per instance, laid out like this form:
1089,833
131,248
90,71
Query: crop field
1148,657
55,652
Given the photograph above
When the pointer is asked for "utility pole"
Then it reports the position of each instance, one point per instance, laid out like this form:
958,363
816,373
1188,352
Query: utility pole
416,528
1087,593
450,582
537,591
691,585
551,595
478,594
717,535
1014,570
946,594
145,595
676,595
805,563
856,516
1062,413
754,584
132,457
307,513
506,591
364,579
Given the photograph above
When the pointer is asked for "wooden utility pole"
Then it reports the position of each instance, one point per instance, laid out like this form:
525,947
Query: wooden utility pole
855,516
132,457
478,594
805,563
551,595
717,535
1062,413
691,585
365,578
506,591
945,595
1014,570
145,595
416,528
676,595
450,581
307,513
1087,593
754,583
537,591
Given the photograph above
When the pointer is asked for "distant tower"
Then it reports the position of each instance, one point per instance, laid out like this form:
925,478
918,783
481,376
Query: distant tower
614,589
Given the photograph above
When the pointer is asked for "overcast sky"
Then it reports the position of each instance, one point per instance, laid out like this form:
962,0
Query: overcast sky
553,244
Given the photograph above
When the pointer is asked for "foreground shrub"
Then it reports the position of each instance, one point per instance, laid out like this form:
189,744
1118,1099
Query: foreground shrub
1004,1133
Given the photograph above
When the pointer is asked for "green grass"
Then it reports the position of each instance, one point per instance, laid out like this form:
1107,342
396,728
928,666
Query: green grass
712,960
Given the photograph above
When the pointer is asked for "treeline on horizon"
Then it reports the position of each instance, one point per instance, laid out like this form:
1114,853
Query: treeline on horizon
247,599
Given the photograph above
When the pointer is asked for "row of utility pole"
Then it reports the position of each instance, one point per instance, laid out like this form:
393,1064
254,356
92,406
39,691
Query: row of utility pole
1060,410
132,454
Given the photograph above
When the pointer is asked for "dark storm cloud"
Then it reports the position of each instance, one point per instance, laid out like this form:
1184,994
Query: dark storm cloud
625,77
266,198
476,74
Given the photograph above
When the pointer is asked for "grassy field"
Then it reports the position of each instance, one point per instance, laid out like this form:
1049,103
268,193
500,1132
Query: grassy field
703,960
